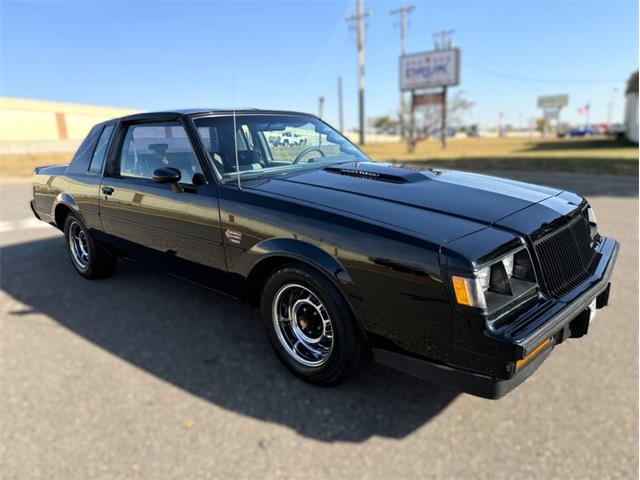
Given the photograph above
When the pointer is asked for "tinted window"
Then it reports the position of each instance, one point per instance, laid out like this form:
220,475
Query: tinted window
85,146
151,146
101,149
81,159
272,144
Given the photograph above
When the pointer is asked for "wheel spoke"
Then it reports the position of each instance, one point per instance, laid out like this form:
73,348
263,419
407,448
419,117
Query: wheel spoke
302,325
78,245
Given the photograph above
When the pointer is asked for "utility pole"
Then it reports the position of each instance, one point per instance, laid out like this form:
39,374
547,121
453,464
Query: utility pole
358,19
320,106
445,44
340,110
403,12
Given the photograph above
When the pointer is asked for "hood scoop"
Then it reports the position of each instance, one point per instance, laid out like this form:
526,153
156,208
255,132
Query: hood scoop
382,172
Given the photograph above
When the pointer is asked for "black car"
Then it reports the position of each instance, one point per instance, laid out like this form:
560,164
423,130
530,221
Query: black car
466,280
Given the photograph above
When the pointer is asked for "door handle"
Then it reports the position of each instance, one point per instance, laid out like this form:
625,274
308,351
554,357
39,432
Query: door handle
107,190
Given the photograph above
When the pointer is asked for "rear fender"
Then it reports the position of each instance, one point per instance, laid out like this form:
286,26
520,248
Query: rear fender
67,200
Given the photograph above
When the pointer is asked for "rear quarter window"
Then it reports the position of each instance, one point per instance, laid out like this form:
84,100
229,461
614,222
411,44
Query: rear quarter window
81,159
100,151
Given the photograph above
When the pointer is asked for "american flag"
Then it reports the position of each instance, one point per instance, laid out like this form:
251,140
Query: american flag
584,110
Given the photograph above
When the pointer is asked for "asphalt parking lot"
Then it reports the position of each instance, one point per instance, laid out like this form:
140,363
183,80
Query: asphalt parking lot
145,376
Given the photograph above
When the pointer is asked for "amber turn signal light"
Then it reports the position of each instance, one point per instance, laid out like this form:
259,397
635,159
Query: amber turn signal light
460,289
534,352
468,291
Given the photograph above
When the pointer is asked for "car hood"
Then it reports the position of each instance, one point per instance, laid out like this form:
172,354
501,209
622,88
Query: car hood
419,201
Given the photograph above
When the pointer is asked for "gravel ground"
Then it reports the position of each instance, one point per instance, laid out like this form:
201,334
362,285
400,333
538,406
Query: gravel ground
145,376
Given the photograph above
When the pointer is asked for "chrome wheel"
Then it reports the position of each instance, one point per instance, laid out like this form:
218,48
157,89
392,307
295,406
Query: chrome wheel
302,325
78,245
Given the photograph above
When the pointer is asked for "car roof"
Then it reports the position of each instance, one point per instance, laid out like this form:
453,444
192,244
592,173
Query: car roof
207,111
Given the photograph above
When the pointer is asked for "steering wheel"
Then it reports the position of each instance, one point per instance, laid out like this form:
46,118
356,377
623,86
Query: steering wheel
305,151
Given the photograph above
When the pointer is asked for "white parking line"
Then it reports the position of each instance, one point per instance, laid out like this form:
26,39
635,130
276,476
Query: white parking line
24,224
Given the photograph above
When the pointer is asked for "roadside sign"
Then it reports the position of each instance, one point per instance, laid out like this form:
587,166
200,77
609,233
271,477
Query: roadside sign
552,113
438,68
426,99
553,101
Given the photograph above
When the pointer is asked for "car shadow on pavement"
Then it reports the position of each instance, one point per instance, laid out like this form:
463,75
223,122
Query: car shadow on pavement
211,346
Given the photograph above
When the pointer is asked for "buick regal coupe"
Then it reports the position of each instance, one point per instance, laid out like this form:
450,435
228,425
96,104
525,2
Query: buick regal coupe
465,280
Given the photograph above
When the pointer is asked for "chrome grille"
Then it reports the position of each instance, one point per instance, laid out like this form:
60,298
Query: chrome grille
566,256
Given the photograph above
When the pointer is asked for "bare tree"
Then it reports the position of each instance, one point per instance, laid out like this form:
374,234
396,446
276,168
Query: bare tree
385,124
428,119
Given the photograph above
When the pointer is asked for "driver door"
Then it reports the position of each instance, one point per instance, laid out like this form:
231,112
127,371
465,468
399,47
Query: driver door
176,229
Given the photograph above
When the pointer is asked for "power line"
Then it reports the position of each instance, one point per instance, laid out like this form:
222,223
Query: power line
524,79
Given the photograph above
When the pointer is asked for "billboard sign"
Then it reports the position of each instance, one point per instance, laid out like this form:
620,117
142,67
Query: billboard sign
553,101
438,68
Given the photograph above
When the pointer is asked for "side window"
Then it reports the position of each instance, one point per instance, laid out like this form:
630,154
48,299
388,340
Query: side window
147,147
101,149
211,141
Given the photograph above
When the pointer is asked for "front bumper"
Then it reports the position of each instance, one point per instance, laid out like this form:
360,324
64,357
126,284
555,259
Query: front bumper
552,316
530,339
457,379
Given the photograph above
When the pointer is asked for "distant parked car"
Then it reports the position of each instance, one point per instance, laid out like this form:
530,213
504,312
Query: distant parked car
617,130
292,139
274,140
579,132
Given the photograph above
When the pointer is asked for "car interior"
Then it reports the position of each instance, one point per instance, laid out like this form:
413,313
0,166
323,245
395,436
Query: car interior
144,153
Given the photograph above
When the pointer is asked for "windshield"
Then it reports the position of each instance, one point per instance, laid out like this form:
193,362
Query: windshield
272,144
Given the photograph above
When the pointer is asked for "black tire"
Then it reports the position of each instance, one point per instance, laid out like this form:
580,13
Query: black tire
349,351
100,263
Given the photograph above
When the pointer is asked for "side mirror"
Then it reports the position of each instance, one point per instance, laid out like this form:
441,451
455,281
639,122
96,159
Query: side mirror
166,175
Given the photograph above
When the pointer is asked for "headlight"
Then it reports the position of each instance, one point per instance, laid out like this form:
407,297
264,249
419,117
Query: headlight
591,215
484,276
508,263
504,279
593,222
487,274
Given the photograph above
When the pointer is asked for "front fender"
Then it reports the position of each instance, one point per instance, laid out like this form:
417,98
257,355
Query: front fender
294,249
307,253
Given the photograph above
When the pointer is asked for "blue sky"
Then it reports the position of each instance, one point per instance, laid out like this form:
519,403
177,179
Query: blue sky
155,55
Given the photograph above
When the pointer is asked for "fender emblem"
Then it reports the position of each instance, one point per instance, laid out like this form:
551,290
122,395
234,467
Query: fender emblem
232,236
